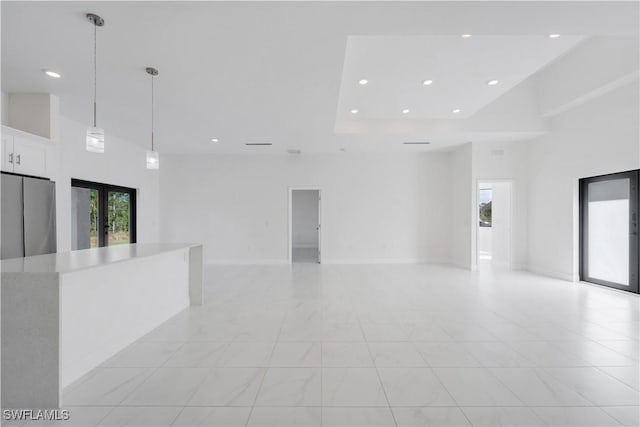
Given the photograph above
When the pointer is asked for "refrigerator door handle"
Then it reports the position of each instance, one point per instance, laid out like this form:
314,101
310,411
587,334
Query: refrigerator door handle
18,159
11,158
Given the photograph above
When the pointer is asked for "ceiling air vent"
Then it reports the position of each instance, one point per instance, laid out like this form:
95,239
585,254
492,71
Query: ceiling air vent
417,143
293,151
254,144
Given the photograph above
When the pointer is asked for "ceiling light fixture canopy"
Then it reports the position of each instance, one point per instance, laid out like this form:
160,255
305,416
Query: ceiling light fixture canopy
465,36
153,157
554,36
95,135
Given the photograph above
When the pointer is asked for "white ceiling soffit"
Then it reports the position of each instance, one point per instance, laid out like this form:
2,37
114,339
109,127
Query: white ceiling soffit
460,68
246,72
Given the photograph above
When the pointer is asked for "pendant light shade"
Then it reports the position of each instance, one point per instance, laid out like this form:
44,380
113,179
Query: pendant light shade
95,135
153,160
153,157
95,140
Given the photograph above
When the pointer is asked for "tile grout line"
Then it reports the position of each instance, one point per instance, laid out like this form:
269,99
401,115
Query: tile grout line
393,416
255,399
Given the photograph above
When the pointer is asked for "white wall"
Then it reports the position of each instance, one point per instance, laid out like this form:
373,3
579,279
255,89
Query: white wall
123,163
462,206
595,138
375,207
506,161
304,210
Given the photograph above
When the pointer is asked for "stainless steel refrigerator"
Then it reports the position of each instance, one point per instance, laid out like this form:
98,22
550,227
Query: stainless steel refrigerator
28,216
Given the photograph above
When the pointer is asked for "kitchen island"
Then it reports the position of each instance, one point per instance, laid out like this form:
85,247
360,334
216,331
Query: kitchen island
65,313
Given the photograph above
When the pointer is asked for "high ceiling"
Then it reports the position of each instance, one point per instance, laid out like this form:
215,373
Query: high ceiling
287,73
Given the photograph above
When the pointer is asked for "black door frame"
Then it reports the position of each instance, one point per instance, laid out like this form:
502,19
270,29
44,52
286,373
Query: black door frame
634,241
103,192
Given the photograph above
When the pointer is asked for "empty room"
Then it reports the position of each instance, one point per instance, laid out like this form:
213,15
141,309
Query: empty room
310,213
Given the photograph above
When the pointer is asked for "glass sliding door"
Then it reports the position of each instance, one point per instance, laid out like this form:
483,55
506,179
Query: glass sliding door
102,215
609,230
84,217
119,217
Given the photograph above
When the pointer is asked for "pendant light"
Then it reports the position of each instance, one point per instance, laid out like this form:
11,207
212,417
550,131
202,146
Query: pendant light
153,157
95,135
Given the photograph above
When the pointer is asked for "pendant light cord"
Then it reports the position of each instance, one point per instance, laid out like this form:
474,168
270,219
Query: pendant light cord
95,72
152,111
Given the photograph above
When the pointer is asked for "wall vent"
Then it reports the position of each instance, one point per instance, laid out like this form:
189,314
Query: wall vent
417,143
253,144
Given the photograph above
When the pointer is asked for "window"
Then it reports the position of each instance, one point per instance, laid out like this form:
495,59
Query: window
484,208
102,215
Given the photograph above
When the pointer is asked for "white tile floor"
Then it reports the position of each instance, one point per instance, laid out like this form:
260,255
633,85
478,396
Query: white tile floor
377,346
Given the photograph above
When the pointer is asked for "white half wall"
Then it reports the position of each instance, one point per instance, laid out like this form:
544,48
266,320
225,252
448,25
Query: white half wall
596,138
391,208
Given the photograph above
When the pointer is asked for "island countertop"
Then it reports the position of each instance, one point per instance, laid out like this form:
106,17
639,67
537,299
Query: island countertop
67,262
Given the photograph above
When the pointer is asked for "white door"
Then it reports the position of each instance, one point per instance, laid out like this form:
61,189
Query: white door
501,224
7,153
29,157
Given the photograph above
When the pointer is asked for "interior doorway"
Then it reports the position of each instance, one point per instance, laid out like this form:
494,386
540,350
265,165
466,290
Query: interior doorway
494,245
305,225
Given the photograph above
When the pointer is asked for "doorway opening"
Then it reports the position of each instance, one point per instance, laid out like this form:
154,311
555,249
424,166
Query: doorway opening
494,214
304,225
609,243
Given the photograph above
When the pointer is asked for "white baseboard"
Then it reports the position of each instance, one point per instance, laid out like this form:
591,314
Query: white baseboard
247,261
305,246
385,261
563,275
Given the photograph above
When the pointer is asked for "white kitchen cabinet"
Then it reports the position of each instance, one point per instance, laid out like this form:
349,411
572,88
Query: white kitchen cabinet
24,154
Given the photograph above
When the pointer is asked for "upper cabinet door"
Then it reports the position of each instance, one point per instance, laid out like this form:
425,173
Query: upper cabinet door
29,157
7,153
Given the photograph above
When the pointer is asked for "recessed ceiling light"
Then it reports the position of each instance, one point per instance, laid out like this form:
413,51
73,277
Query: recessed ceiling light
427,82
493,82
456,110
215,140
354,111
405,111
363,81
554,36
466,36
52,74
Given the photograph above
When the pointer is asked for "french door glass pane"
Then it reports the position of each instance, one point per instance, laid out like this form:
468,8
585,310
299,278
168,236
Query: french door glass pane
608,230
119,220
84,214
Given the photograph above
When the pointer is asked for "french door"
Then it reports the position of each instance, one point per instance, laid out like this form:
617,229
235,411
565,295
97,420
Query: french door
609,244
102,214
